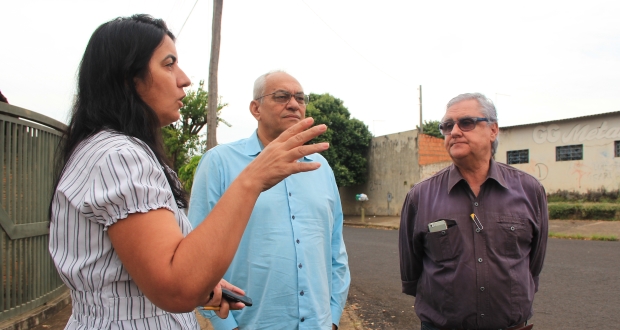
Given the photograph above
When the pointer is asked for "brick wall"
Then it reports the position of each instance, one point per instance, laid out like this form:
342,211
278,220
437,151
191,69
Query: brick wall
432,150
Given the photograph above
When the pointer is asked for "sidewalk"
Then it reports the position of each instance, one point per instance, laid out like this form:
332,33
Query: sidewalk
568,227
350,320
379,222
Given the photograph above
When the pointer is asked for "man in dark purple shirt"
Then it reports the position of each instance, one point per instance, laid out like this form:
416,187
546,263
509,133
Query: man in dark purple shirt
473,236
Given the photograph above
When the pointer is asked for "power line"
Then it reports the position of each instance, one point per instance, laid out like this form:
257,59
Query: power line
188,15
353,48
174,6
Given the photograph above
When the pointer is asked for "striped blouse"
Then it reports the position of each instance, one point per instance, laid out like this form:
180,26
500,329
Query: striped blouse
108,177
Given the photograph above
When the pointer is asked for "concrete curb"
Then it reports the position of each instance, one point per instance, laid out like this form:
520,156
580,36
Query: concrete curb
370,225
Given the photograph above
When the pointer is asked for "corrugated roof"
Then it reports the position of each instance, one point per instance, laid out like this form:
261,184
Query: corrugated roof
565,119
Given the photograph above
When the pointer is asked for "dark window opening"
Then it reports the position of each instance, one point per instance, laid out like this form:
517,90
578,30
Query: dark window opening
518,156
572,152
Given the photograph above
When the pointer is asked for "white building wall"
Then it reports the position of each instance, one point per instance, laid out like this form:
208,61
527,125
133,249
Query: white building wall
599,167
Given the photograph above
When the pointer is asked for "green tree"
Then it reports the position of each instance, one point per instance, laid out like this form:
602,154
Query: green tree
182,139
187,171
349,139
431,128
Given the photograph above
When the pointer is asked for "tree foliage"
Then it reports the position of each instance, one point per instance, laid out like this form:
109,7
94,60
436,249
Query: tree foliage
349,139
187,171
182,139
431,128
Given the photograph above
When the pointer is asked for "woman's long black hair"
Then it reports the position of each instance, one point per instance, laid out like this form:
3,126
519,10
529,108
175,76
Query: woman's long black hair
118,52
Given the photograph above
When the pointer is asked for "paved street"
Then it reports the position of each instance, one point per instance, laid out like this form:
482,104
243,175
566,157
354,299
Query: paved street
579,289
375,280
579,286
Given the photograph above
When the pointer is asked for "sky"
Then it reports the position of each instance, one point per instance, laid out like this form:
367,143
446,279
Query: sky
537,60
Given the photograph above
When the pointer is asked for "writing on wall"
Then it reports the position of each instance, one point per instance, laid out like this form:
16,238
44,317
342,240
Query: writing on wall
579,133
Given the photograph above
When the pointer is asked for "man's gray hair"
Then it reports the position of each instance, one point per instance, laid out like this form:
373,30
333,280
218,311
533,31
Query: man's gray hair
259,84
486,107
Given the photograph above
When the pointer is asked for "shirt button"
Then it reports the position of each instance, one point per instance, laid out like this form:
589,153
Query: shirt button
481,289
512,228
300,268
293,217
302,292
303,319
289,194
475,203
481,315
479,259
297,241
477,230
443,232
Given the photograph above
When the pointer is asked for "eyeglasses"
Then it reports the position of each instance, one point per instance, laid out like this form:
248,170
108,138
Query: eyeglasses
283,97
465,124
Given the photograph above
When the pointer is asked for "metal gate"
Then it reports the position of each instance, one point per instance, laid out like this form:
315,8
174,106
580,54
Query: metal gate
28,142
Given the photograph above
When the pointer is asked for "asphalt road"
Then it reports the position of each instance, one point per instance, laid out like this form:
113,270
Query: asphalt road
579,285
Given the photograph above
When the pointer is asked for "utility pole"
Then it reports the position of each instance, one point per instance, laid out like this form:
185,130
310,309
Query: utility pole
215,58
421,123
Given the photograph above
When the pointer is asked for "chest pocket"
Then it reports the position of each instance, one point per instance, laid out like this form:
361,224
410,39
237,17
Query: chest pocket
513,232
446,244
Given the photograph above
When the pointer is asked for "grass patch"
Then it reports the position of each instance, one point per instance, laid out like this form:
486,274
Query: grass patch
613,238
584,237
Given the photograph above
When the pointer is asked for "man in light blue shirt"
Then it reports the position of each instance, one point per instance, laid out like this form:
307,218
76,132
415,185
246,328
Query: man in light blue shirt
291,260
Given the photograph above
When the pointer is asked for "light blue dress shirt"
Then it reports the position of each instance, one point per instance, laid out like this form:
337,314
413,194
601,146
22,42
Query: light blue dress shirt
291,260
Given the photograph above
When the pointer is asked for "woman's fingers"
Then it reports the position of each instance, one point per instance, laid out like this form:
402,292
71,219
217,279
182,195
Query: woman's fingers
236,305
216,297
300,133
224,308
295,129
280,158
231,287
306,150
303,137
293,148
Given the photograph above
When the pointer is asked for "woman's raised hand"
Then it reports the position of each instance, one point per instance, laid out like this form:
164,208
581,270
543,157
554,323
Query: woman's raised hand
280,158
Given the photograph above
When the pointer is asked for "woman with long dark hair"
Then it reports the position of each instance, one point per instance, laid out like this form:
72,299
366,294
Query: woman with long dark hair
118,235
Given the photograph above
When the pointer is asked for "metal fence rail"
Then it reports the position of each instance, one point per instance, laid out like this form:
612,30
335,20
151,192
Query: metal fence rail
28,142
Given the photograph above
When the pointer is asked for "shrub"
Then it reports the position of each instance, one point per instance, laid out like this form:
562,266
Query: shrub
584,211
563,211
600,211
598,195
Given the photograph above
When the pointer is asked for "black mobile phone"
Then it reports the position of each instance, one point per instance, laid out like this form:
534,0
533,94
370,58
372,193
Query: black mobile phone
234,297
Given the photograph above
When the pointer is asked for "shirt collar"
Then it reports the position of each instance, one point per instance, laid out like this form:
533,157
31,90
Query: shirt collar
454,176
254,146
